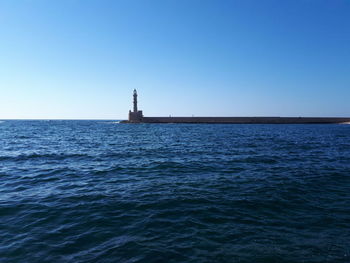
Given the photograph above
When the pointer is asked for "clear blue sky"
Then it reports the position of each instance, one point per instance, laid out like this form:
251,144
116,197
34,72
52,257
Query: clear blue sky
81,59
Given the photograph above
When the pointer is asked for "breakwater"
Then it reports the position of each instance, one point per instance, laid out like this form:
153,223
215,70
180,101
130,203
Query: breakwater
241,120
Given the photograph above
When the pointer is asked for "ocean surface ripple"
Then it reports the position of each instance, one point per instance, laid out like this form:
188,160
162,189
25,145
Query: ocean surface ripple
99,191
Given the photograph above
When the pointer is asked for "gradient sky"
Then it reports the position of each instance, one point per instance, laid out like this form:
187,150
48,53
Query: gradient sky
81,59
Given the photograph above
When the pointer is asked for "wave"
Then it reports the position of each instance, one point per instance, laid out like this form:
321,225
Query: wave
112,122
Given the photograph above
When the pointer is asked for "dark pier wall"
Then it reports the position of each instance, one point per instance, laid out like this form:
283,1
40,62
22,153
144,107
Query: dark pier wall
244,120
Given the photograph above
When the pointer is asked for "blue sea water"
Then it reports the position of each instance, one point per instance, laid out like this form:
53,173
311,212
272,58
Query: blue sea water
100,191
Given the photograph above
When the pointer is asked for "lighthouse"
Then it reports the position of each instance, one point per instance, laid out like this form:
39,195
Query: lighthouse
135,115
135,100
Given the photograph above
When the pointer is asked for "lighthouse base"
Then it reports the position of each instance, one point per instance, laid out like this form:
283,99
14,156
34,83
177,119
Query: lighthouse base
135,117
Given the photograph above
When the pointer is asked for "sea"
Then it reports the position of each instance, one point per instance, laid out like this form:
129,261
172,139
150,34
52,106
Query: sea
102,191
